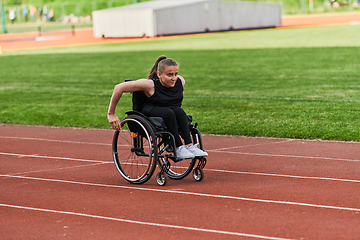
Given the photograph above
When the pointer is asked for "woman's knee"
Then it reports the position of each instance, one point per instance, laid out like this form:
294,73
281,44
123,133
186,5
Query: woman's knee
180,114
179,111
168,114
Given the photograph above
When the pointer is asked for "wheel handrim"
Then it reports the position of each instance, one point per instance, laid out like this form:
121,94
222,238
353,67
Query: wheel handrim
135,164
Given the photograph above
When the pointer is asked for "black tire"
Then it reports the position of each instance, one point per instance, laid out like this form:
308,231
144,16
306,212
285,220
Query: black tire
161,179
181,169
175,169
198,174
135,150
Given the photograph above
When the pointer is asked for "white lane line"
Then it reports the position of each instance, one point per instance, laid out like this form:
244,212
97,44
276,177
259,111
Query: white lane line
143,223
284,175
189,193
220,150
51,157
62,168
54,140
212,170
251,145
286,156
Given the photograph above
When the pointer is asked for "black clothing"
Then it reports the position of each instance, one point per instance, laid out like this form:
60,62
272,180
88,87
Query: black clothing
174,118
166,97
166,103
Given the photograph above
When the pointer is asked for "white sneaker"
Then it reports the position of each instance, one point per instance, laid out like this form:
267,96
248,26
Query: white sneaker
183,152
197,151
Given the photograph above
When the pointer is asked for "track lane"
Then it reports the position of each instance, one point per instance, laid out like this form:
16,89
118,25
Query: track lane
234,214
270,205
260,170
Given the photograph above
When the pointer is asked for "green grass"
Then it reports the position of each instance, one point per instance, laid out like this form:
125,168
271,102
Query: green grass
337,36
270,83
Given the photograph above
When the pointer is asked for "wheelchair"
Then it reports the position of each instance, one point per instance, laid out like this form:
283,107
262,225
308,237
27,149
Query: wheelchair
144,143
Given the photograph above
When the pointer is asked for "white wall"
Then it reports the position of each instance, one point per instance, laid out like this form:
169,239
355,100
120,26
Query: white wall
246,15
187,17
196,17
123,23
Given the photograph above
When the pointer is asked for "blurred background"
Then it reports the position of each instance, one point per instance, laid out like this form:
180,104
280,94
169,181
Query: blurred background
28,15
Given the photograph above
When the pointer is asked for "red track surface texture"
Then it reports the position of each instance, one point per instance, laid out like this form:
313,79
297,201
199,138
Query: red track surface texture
320,19
60,183
33,40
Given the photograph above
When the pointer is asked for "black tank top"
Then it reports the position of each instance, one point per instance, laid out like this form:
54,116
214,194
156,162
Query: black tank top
167,97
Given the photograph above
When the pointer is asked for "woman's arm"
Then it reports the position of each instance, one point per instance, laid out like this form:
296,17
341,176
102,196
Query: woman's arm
145,85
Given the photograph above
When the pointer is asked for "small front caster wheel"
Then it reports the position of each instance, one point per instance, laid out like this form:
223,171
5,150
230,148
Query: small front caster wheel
198,174
161,179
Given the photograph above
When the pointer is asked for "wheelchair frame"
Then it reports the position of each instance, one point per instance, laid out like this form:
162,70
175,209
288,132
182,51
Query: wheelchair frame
144,143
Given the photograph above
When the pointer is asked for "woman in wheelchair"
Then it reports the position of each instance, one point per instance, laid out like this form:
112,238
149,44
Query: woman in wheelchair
164,91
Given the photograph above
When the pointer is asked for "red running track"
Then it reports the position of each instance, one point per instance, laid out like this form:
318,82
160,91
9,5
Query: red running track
320,19
60,183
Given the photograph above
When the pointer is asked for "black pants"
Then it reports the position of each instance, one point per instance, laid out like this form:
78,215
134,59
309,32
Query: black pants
174,118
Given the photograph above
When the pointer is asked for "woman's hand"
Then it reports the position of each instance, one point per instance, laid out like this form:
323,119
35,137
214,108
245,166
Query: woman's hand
114,121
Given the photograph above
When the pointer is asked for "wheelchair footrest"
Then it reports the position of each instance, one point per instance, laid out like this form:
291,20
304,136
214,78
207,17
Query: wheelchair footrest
173,158
202,162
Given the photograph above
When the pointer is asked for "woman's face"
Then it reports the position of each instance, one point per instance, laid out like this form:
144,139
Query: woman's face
168,76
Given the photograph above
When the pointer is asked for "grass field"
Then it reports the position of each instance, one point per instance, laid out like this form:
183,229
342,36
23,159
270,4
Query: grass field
293,83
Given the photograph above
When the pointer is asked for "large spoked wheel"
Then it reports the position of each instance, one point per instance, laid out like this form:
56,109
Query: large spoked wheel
176,169
135,150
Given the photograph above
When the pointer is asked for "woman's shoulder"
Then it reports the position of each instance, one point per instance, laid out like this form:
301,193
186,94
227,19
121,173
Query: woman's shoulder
138,85
141,82
182,79
147,85
144,82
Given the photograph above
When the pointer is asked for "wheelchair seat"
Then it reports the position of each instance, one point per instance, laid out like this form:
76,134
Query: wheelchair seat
158,123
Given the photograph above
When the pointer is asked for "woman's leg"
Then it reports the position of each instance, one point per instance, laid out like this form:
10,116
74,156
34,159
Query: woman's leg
183,124
170,120
182,120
